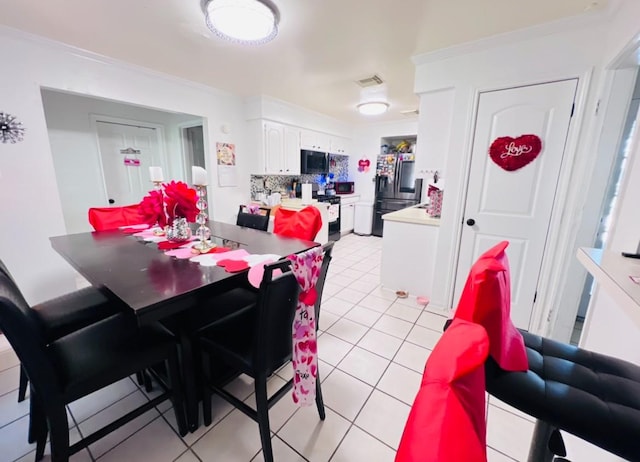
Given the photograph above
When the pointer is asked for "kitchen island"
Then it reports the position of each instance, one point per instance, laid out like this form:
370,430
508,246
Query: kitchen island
408,251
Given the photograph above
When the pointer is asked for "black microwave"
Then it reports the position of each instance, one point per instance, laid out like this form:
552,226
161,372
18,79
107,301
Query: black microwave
313,162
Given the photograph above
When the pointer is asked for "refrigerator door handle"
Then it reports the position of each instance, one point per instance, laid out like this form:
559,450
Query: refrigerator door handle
396,177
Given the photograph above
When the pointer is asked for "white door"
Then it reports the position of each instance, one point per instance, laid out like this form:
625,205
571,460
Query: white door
515,205
126,152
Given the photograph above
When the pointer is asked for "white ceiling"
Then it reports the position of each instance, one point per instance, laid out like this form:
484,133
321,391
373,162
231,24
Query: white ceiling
322,48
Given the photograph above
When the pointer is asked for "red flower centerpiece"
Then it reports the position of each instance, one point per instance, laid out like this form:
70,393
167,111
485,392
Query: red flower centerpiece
172,208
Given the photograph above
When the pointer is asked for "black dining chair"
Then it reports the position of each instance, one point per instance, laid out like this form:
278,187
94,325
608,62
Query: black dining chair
80,363
258,220
62,315
257,342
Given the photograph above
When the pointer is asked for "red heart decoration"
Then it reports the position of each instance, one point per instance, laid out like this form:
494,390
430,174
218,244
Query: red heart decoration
364,163
514,153
234,266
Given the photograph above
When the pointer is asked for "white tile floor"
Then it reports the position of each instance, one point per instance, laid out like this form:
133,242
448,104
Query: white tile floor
372,349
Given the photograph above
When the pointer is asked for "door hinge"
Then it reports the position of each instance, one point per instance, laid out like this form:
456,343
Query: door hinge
573,109
597,107
535,296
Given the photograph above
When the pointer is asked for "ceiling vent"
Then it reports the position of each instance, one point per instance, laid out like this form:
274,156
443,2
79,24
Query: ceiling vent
410,113
370,81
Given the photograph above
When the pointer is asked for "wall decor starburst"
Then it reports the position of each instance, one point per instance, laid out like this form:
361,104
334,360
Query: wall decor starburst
11,131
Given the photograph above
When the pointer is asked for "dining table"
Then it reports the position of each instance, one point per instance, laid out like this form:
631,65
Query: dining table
156,286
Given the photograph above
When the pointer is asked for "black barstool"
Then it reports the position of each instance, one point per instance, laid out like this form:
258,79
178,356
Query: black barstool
590,395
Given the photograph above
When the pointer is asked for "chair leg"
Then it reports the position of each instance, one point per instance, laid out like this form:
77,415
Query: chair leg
37,420
539,450
177,395
146,378
319,400
206,391
262,409
24,380
59,431
140,378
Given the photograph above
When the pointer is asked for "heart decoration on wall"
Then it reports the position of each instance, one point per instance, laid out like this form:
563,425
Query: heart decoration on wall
364,164
514,153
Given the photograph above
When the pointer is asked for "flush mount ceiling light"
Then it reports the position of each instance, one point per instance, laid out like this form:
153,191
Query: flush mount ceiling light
250,22
373,108
373,100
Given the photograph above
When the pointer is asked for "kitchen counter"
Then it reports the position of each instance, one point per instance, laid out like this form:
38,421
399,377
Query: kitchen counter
416,215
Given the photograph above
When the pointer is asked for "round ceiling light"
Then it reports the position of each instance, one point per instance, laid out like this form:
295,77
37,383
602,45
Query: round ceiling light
373,108
250,22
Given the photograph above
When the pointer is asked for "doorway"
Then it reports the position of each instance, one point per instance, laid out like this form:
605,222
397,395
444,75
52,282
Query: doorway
94,145
609,201
515,205
193,147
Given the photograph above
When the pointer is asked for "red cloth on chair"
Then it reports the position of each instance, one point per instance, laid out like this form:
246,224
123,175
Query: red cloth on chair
486,300
103,218
447,419
304,224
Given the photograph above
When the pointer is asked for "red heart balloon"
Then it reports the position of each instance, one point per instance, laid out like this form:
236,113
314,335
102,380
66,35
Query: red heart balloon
514,153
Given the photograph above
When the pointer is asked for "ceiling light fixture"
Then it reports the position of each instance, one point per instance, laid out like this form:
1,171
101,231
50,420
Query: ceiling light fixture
373,100
373,108
249,22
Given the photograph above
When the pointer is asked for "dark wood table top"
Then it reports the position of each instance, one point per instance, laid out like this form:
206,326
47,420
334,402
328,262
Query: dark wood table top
153,284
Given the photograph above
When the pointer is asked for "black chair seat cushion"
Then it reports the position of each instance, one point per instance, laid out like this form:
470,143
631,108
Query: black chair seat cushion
225,306
62,315
233,340
592,396
98,355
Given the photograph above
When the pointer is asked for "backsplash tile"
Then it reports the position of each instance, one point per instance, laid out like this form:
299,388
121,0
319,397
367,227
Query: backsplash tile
338,165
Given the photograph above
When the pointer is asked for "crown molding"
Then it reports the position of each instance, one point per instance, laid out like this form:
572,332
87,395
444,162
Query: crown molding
583,21
54,45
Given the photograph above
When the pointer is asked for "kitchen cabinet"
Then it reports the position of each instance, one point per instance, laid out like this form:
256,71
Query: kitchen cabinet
338,145
281,149
348,213
314,141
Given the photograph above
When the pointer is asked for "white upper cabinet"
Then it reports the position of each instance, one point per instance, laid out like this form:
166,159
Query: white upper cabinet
281,149
339,145
274,148
291,150
314,141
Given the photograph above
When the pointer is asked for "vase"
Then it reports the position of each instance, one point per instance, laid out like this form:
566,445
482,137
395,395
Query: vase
178,231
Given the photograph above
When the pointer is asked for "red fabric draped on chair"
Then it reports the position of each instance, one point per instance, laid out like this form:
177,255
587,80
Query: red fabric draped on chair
104,218
446,422
304,224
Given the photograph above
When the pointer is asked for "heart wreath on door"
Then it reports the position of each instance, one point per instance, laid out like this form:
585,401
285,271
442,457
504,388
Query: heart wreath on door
514,153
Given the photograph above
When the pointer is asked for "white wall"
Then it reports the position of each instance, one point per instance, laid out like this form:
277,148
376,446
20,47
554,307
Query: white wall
76,156
27,175
449,83
366,142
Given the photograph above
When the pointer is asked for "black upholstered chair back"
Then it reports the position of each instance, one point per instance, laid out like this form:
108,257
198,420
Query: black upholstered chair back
258,221
24,333
277,301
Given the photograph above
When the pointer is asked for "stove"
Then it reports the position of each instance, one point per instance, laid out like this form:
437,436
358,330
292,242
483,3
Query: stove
334,215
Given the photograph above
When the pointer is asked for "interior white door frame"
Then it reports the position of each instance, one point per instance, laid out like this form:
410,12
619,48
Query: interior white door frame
564,214
160,135
183,143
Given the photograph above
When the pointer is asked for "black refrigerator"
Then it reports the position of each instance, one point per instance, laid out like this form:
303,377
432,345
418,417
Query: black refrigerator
396,186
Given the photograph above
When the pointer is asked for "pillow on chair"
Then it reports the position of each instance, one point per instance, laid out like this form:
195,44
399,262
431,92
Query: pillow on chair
304,224
486,300
447,419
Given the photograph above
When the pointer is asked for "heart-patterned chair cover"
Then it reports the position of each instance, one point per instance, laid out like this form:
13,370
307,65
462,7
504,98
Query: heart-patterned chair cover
306,269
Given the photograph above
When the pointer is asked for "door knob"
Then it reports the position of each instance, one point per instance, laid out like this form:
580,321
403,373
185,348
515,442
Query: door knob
471,222
111,201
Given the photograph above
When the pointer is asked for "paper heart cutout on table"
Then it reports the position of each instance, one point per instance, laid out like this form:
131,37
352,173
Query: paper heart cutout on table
168,245
131,229
181,253
514,153
233,266
257,272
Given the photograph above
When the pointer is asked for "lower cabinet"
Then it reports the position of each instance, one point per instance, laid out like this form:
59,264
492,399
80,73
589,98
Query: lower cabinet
348,214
